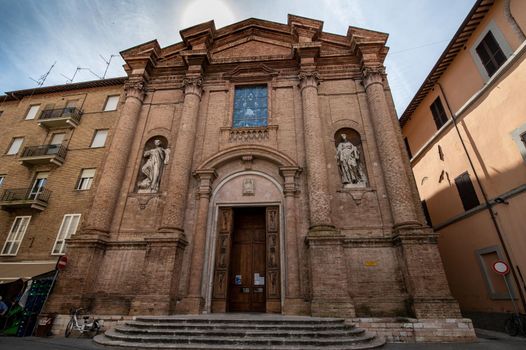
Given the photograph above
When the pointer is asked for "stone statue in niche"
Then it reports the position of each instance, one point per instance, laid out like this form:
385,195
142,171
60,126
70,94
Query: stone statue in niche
349,162
157,158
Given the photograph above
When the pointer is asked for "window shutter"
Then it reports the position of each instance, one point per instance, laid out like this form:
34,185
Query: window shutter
467,193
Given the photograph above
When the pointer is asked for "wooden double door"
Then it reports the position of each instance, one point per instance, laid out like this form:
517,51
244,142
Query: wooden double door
246,277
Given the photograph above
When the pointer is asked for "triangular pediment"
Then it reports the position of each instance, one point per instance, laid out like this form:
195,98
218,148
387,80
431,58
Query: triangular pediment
252,46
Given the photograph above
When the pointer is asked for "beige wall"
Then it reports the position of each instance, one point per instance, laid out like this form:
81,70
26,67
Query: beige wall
486,128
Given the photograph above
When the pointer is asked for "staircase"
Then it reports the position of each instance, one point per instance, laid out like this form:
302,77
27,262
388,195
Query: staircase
238,331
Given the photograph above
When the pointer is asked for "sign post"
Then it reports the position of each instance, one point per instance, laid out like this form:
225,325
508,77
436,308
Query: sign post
503,269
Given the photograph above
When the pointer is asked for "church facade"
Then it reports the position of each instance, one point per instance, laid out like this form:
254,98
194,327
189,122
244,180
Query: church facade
257,168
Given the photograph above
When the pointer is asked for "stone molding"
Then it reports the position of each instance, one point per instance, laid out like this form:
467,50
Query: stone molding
235,136
290,174
373,75
206,177
135,88
193,86
309,79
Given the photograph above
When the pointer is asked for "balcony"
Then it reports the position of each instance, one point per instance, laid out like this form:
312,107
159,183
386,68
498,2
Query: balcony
68,117
25,198
44,154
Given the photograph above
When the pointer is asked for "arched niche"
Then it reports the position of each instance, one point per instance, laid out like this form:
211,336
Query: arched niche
155,156
350,157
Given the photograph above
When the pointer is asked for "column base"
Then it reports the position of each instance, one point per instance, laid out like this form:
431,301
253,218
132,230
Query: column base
152,305
332,308
296,306
191,305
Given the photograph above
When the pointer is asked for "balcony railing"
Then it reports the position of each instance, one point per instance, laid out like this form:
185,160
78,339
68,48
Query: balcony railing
61,117
44,154
36,198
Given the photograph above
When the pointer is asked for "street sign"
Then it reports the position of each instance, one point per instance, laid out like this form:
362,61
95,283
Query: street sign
501,267
62,262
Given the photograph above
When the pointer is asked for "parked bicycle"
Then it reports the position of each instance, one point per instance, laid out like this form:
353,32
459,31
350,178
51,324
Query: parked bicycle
516,324
87,325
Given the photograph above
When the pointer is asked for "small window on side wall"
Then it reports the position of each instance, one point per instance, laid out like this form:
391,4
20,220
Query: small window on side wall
467,193
2,178
490,53
111,103
439,114
14,148
32,112
250,106
99,139
86,179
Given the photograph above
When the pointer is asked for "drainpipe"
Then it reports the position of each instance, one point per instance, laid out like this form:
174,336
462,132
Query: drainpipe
487,204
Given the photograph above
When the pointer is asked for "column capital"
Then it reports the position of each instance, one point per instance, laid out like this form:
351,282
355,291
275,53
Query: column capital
193,86
205,177
134,88
373,75
290,174
309,79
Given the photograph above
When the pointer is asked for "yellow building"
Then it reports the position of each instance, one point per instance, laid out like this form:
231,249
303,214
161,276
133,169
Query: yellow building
465,131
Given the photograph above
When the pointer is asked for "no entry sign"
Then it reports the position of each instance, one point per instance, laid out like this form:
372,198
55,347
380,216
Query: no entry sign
501,267
62,262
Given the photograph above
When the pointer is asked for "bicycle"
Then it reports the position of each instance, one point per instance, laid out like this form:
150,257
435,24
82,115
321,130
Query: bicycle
89,324
516,324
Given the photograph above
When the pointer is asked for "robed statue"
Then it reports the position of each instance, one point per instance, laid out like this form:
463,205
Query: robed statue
157,158
351,170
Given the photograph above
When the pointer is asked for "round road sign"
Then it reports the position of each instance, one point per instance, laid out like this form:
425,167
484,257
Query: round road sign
501,267
61,264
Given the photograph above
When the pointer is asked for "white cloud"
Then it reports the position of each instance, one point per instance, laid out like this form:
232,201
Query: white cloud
198,11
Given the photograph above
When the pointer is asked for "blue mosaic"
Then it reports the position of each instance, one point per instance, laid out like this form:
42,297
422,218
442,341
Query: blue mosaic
250,106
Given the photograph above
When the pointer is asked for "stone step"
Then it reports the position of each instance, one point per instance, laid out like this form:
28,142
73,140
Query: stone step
245,340
214,326
293,320
101,339
233,332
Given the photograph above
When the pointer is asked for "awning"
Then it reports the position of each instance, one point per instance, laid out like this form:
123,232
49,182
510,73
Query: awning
11,271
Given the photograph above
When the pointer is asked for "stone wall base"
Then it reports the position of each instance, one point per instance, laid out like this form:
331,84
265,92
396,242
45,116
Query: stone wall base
109,321
412,330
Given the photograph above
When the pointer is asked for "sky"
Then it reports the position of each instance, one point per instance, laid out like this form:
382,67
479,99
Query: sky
75,33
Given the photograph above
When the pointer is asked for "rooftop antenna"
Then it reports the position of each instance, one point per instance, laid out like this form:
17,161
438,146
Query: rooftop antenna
107,64
70,80
41,80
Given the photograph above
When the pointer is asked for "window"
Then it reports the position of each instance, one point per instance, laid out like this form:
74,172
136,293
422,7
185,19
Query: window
99,139
67,229
523,139
15,145
32,112
250,106
15,236
426,213
490,54
466,191
439,114
111,103
407,148
2,177
86,178
38,185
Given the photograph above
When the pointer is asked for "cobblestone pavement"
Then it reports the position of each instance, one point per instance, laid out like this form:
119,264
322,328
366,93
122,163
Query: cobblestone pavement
487,341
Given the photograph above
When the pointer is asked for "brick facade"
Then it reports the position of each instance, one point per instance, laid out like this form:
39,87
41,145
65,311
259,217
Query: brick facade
343,251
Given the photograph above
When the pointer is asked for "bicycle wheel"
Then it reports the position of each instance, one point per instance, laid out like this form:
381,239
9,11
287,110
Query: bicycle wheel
512,326
69,328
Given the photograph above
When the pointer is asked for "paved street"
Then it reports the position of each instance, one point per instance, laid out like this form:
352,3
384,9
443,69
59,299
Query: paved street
487,341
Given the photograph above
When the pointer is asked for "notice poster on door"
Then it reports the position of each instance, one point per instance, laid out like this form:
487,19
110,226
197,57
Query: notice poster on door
237,280
259,280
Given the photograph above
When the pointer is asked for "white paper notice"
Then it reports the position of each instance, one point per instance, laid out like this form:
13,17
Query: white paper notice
259,280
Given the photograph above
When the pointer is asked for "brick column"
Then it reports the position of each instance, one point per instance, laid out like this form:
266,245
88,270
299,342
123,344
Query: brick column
330,292
317,177
193,303
180,171
397,185
107,192
421,264
294,301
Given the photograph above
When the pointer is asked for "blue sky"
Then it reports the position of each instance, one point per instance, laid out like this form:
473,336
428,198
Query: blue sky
73,33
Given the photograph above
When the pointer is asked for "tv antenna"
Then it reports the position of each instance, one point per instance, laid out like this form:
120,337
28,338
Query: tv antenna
70,80
41,80
107,64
